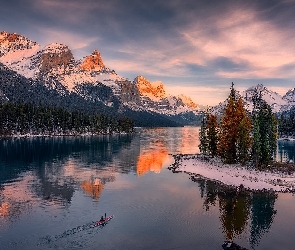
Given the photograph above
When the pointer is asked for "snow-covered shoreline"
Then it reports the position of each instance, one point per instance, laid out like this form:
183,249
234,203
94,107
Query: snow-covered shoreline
63,135
234,174
289,138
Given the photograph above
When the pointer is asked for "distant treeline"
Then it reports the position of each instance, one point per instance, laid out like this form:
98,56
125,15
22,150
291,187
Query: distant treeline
28,118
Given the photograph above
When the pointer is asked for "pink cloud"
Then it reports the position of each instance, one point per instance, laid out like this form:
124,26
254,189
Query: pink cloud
244,37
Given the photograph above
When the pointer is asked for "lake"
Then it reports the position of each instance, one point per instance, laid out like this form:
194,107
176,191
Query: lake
53,189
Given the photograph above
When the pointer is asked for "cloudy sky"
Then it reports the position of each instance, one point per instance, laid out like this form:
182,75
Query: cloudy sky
195,47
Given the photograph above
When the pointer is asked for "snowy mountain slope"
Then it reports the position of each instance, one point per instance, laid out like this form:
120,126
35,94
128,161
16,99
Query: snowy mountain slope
55,66
155,98
17,88
289,97
276,101
272,98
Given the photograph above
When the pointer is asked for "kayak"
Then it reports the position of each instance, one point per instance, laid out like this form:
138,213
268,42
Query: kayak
229,245
103,222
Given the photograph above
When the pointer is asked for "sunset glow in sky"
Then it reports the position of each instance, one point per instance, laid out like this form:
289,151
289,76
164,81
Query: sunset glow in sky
194,47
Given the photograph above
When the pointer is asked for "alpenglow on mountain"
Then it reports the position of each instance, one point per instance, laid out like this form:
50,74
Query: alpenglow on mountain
51,74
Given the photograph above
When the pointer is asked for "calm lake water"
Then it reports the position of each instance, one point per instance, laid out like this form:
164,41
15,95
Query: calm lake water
52,189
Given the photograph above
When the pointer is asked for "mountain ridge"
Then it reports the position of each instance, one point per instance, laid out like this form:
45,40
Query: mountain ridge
277,102
56,68
91,82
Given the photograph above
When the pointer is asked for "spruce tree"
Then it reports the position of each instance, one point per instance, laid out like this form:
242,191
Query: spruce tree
243,134
244,141
228,133
212,134
256,143
203,136
234,140
264,133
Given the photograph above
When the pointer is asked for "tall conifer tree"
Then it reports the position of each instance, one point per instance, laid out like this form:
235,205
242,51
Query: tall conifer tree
212,134
234,139
203,136
264,133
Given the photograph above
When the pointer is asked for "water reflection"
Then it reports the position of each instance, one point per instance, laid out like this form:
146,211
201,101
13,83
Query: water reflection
152,158
156,145
43,171
239,208
93,188
51,169
176,140
4,209
286,151
49,185
22,154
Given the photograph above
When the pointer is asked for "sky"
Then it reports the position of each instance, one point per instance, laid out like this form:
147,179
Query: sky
195,47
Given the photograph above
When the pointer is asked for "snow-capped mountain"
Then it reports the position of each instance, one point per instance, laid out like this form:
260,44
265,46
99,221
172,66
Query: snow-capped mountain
272,98
276,101
290,97
155,98
56,68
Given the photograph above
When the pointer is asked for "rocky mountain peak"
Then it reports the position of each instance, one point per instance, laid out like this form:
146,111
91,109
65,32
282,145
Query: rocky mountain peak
55,56
188,101
12,42
93,62
272,98
152,90
290,96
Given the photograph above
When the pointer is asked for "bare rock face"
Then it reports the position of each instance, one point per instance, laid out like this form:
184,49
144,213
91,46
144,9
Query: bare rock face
290,96
188,101
128,91
12,42
93,62
149,89
55,56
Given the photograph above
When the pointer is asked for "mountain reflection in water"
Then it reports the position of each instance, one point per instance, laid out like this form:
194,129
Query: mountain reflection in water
49,168
152,159
49,185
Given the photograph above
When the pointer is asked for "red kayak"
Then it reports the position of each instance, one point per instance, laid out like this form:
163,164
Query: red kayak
103,222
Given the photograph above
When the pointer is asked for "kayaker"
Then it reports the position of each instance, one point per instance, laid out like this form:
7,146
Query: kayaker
102,218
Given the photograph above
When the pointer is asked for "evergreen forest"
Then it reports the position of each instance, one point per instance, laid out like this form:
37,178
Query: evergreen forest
241,136
30,119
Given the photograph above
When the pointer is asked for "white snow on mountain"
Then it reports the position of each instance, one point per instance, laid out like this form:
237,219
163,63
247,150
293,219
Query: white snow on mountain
276,101
272,98
55,65
289,97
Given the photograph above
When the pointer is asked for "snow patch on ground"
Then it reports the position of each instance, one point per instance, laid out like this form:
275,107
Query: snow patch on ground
234,174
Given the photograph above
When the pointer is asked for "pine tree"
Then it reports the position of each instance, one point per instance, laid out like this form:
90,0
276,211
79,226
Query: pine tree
264,133
212,134
203,136
234,139
244,141
256,143
243,134
228,133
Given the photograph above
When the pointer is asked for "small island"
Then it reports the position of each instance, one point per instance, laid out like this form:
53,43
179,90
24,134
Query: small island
238,149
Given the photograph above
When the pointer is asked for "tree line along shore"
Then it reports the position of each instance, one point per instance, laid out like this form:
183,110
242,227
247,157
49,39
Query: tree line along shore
17,119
